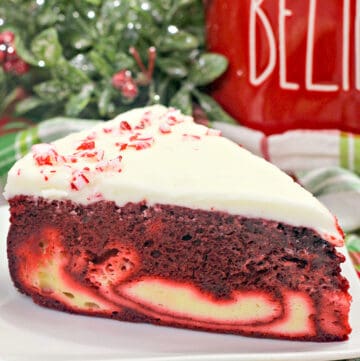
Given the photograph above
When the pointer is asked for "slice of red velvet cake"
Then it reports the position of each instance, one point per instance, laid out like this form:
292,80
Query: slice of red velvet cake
153,218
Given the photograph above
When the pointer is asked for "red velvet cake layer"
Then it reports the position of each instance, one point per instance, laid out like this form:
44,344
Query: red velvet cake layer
181,267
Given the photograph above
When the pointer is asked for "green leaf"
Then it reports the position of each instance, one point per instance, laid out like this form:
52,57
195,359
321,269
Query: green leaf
2,84
182,100
72,76
148,27
110,19
213,109
172,67
16,125
163,89
78,102
46,47
175,8
207,68
82,23
82,63
48,16
52,91
104,104
153,97
353,242
23,52
27,104
80,41
10,98
107,48
123,61
180,40
3,90
185,2
101,65
94,2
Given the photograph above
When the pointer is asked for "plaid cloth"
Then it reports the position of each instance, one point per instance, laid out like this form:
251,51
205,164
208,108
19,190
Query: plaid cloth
327,163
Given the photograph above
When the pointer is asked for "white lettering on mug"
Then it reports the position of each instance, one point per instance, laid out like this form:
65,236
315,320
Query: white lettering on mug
283,13
278,50
346,45
256,11
309,72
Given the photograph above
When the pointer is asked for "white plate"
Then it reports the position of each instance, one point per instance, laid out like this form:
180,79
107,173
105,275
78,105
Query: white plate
32,333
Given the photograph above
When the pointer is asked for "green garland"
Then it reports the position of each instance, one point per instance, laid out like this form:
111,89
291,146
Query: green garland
75,48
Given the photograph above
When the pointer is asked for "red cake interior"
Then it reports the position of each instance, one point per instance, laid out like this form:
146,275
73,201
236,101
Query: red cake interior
106,260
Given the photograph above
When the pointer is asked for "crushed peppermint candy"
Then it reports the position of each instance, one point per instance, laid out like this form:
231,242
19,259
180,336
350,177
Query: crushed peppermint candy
122,146
45,154
165,128
125,126
134,136
79,180
91,136
173,117
95,155
107,130
110,165
141,143
141,125
86,145
85,161
144,122
214,132
171,120
191,137
70,159
47,173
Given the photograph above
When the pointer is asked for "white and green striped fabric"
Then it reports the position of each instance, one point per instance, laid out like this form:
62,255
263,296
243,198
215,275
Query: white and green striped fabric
339,190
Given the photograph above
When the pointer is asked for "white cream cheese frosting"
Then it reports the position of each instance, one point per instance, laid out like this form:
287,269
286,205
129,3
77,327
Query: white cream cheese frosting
160,156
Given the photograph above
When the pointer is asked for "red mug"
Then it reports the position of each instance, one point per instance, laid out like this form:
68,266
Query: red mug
293,63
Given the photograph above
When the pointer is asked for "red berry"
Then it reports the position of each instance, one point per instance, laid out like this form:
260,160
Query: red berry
124,82
120,78
6,37
130,90
8,56
2,56
20,67
8,66
11,53
16,66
